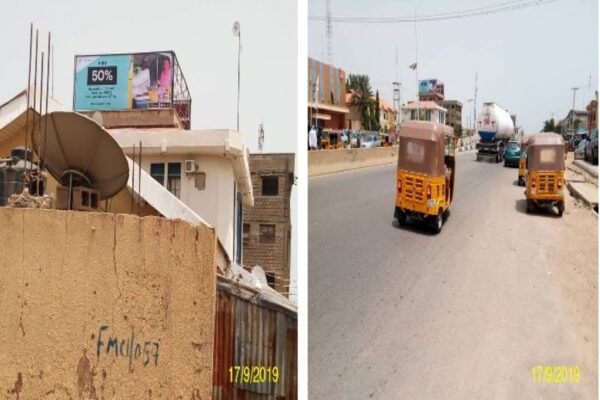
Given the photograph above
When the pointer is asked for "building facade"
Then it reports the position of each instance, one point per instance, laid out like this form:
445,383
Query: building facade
326,95
387,117
454,115
207,170
424,111
267,225
575,121
592,110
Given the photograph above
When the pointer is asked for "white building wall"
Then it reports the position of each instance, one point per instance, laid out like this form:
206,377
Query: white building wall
215,203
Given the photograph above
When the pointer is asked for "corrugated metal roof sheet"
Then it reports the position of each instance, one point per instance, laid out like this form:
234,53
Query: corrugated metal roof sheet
248,334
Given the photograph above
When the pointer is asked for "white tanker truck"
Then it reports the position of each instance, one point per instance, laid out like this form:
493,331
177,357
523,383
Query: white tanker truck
495,128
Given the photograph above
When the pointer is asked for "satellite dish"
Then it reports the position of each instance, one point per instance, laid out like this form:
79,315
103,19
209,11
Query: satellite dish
80,152
236,28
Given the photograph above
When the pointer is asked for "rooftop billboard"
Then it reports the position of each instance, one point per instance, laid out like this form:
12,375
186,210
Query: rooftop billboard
123,81
431,86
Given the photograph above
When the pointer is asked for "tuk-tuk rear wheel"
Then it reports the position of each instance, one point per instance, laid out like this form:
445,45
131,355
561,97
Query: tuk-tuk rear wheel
437,221
402,218
530,205
561,208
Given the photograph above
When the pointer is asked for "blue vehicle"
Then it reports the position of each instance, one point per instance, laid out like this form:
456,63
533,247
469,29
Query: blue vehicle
512,154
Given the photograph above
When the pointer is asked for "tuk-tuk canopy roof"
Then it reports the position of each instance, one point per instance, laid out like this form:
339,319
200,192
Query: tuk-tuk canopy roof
546,139
546,151
422,147
425,130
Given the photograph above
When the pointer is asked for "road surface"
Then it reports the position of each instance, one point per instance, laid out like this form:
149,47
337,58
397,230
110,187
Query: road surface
399,313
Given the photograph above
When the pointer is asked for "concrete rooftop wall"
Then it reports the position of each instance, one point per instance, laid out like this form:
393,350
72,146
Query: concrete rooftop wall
105,306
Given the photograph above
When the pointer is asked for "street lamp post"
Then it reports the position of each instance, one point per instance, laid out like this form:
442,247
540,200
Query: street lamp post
574,89
237,32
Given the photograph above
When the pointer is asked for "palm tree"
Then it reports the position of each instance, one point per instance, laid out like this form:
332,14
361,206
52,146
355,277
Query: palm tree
361,97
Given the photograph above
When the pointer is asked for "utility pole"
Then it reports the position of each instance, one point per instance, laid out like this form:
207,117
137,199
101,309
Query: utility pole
397,103
396,85
469,115
417,66
574,89
475,106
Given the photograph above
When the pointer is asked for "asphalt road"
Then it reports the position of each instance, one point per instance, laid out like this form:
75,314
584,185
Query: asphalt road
399,313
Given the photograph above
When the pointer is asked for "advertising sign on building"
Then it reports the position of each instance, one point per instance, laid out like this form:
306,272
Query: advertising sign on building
123,81
431,86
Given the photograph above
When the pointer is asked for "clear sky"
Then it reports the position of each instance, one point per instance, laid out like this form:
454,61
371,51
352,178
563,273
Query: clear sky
200,33
527,60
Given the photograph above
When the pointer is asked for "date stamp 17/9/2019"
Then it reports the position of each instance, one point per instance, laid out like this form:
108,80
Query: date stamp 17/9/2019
555,374
253,374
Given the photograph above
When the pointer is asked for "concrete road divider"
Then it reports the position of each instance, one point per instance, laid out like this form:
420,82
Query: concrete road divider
322,162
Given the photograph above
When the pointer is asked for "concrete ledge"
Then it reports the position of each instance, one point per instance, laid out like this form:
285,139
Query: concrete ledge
587,192
590,169
322,162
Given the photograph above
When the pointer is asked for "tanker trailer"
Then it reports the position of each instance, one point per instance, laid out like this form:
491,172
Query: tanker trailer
495,128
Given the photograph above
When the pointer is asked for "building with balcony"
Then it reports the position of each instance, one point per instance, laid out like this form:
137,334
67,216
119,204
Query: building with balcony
424,111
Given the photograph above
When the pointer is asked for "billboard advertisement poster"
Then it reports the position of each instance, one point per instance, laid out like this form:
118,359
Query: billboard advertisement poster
102,82
152,80
431,86
123,81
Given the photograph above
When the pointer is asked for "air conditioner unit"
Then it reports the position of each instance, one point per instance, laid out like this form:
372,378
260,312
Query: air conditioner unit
190,166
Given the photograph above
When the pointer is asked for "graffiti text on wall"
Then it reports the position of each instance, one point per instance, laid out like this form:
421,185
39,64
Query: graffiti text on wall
132,348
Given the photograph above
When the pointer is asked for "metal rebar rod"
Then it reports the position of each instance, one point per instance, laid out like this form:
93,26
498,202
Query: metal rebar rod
132,178
41,104
28,86
140,177
43,146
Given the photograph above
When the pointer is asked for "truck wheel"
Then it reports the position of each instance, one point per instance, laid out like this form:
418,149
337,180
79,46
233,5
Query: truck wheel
437,221
505,163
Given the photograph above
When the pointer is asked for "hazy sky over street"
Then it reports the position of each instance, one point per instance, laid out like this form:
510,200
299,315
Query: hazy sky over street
527,59
200,33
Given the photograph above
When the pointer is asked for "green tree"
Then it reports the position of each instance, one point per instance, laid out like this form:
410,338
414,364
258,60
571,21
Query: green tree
375,116
458,130
549,126
362,97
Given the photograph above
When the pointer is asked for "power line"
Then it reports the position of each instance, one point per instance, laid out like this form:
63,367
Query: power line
487,10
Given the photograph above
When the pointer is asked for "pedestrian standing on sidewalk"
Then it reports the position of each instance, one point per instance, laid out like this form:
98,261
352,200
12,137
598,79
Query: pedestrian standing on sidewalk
312,138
